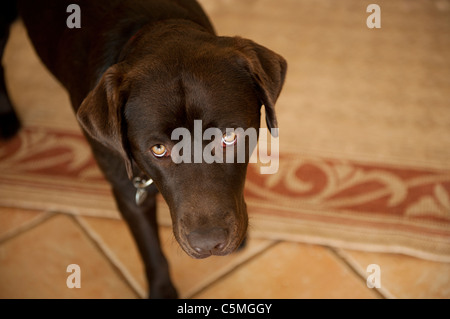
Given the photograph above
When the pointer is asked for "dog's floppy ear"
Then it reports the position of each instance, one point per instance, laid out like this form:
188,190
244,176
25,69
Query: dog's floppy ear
101,114
268,71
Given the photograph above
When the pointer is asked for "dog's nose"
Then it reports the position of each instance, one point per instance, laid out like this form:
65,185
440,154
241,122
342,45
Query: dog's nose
208,241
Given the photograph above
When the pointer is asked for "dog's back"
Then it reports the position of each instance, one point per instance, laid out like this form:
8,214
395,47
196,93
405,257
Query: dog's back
105,27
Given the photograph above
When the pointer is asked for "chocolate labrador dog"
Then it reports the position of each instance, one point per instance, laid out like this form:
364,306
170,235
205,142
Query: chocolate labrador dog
136,70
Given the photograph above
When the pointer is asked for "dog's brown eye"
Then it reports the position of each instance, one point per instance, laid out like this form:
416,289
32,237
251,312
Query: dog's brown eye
228,138
159,150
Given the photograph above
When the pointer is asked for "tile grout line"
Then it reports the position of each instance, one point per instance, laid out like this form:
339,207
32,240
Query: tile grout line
240,262
17,231
353,265
111,257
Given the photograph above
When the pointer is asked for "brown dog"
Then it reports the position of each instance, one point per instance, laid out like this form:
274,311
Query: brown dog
136,71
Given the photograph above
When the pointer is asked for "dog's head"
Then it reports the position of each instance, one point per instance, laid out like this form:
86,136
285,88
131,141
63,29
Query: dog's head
154,107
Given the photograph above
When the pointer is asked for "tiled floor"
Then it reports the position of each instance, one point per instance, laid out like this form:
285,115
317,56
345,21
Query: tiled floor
36,248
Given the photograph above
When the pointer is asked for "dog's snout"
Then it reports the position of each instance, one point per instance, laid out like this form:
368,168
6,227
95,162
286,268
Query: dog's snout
210,241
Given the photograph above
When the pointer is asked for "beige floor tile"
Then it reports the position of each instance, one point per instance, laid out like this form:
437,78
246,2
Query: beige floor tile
12,219
406,277
115,238
189,275
291,270
34,264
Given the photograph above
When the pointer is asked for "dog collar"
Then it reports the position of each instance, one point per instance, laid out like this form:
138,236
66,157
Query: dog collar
141,192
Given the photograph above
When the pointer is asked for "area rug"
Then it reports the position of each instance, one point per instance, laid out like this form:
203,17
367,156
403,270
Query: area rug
364,152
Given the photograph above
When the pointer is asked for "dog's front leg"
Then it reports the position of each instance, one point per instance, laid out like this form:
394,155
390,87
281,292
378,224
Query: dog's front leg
142,222
141,219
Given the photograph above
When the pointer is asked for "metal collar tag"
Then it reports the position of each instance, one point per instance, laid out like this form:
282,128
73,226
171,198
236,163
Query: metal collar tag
141,193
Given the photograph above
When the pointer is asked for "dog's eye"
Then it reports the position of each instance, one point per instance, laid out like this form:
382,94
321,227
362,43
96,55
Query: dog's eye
229,138
159,150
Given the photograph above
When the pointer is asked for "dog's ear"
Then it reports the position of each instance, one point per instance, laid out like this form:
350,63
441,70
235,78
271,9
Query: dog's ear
268,71
101,114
